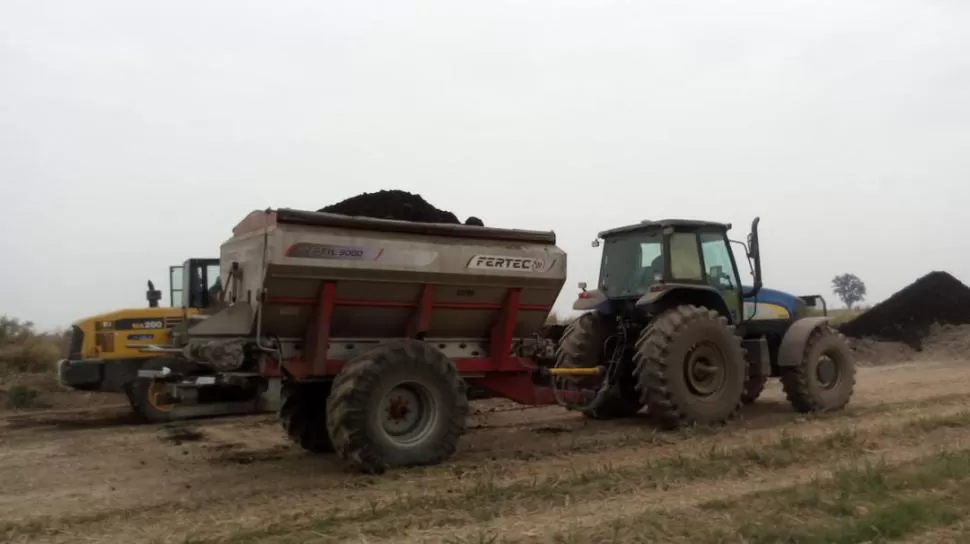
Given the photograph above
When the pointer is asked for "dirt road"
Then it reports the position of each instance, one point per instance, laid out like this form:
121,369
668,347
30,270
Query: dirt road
521,475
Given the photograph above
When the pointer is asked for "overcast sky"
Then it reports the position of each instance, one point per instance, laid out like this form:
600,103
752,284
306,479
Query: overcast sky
136,134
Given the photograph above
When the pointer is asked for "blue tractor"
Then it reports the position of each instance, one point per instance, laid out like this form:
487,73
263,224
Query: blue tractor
670,327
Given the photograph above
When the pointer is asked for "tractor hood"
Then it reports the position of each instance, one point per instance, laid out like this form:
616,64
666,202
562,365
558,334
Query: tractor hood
767,299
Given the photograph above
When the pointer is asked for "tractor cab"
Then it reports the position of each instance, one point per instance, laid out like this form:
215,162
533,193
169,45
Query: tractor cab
195,283
650,263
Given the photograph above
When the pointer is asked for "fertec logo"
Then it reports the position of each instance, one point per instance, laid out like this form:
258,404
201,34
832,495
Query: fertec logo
500,262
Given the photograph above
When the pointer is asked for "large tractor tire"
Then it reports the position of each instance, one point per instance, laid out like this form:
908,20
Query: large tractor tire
398,405
753,387
303,415
690,367
581,346
824,379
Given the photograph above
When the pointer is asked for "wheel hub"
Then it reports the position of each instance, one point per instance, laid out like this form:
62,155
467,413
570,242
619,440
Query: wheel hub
827,372
705,371
158,396
407,413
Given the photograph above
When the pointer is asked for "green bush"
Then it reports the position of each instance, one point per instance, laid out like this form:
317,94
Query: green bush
20,397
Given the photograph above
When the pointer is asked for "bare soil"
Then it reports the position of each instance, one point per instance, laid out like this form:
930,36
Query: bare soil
47,395
521,474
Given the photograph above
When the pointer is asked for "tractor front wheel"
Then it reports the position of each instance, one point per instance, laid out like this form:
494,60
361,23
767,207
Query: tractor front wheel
690,367
824,379
398,405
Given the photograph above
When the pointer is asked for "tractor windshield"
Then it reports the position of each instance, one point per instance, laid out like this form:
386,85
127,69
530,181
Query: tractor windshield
632,262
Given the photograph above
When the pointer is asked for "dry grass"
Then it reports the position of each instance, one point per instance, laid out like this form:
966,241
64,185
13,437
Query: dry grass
892,466
27,363
857,501
490,503
25,350
621,481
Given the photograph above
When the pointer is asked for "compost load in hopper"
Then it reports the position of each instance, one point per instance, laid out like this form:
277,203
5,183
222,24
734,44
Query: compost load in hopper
909,314
395,204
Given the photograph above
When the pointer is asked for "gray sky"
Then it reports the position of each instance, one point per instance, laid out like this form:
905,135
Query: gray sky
136,134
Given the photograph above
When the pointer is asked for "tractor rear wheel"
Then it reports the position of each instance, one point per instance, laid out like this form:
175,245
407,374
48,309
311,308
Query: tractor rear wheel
824,379
303,415
581,346
401,404
690,367
753,387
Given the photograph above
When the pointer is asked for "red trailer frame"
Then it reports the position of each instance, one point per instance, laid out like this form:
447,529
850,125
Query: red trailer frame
503,374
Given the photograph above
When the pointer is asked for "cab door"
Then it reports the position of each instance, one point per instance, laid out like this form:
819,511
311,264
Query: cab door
721,272
176,290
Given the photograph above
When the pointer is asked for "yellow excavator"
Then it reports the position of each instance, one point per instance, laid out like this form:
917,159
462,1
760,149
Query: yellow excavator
107,351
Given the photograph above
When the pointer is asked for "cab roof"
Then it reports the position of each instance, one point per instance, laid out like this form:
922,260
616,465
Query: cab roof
686,224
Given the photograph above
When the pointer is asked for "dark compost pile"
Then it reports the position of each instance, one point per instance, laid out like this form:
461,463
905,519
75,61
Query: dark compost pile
908,315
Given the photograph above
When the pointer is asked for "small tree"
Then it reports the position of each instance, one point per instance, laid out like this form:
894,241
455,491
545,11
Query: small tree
849,288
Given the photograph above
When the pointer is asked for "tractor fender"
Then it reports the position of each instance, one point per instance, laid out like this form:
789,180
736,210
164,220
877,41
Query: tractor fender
793,343
590,300
673,294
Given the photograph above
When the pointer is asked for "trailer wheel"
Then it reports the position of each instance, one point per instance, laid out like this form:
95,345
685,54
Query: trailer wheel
824,379
690,367
398,405
303,415
581,346
753,387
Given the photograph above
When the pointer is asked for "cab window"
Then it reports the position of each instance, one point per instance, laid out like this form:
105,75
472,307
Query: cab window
717,259
685,259
175,295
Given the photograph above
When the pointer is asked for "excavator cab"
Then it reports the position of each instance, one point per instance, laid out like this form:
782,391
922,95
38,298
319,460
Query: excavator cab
194,284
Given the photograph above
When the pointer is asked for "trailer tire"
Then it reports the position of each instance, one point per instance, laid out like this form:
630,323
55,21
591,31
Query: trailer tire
398,405
806,389
303,415
581,346
690,367
753,387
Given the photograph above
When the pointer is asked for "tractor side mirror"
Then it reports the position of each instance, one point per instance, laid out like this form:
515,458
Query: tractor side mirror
596,243
753,237
582,285
716,274
754,254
